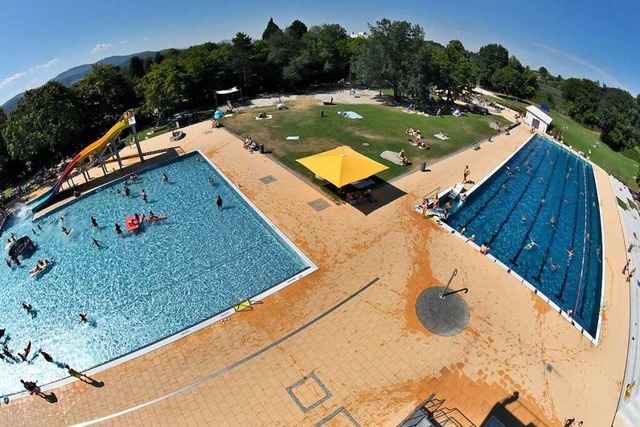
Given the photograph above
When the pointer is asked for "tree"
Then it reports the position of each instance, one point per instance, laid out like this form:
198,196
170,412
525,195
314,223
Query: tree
271,29
158,58
136,68
297,29
45,124
582,97
619,118
420,81
508,80
530,83
242,57
490,58
163,87
103,96
385,58
325,56
454,71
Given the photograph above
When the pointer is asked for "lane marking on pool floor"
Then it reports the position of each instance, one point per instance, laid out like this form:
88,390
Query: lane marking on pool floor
233,365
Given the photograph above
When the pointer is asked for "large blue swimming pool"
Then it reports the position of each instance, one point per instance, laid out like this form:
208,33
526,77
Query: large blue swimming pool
532,212
140,287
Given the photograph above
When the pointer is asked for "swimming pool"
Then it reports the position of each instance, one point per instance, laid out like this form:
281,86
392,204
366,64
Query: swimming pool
140,287
539,215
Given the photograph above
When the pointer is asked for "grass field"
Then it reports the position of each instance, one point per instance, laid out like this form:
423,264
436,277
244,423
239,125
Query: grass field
382,128
583,139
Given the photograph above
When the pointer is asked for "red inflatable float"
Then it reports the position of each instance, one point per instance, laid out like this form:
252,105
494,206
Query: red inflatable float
132,223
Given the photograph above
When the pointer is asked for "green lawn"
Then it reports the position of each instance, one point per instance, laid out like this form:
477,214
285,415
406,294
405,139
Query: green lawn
583,139
382,128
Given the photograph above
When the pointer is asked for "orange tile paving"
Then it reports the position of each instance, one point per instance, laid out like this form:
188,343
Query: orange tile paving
371,353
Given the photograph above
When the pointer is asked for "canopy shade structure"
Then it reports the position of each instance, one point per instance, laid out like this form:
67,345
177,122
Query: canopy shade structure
342,166
227,91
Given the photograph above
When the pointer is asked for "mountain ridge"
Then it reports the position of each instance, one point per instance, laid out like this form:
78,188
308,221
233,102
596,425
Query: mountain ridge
75,74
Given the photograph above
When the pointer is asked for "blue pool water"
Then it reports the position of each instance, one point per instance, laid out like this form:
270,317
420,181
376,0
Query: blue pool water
546,194
139,287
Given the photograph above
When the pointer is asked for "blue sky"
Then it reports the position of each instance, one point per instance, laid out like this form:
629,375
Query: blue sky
596,39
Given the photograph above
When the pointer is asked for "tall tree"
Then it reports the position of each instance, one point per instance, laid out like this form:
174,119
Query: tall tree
45,125
163,87
386,57
454,69
271,29
619,118
508,80
490,58
136,68
242,47
103,96
297,29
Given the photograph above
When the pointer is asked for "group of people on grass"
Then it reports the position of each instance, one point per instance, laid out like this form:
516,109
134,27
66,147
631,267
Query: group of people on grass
417,139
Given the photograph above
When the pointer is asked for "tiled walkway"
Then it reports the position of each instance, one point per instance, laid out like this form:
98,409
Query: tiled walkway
367,361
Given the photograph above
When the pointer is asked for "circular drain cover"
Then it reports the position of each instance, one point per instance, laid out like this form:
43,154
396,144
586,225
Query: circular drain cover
445,317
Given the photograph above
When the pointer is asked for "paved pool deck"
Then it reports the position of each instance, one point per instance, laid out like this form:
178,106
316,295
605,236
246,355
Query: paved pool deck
344,346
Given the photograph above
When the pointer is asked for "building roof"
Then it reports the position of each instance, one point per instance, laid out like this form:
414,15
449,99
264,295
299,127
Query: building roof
540,114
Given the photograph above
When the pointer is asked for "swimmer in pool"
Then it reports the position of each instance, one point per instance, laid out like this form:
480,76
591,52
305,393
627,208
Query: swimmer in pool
210,182
531,244
83,318
118,229
94,223
97,243
165,178
27,308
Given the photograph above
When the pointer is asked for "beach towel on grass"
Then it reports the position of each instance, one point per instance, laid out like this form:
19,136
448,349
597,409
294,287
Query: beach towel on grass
444,138
293,138
269,116
350,114
392,156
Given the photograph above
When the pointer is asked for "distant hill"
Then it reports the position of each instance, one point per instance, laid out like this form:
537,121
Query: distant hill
75,74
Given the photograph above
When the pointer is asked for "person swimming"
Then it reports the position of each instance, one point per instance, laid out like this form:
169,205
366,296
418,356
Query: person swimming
118,229
165,178
41,265
97,243
210,182
25,352
531,244
143,194
83,318
94,222
65,231
28,308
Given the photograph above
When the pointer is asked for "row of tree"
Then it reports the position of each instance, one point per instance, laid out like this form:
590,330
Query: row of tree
54,121
614,111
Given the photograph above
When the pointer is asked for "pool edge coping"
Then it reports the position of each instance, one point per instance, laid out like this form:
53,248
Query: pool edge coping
189,330
594,340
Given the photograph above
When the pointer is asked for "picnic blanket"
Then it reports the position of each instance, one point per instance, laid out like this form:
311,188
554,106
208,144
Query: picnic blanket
392,156
350,114
293,138
442,137
269,116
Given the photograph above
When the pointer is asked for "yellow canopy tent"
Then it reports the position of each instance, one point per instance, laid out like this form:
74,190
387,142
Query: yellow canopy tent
342,165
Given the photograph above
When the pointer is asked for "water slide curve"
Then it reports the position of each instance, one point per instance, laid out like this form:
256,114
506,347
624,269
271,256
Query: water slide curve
78,159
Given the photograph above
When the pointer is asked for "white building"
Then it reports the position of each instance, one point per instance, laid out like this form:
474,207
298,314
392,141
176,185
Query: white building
537,118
